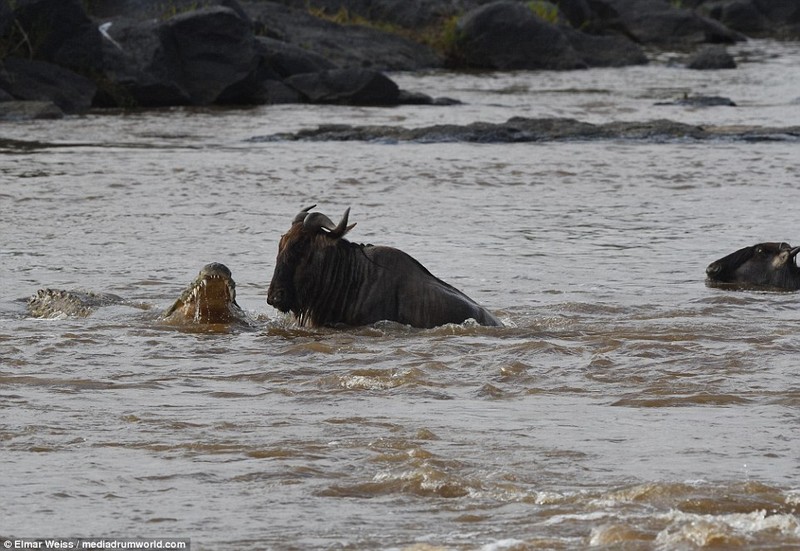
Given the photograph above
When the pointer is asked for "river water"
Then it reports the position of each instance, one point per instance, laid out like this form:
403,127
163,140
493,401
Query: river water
625,403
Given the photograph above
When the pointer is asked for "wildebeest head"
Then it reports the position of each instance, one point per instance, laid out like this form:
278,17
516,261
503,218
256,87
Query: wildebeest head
770,265
300,251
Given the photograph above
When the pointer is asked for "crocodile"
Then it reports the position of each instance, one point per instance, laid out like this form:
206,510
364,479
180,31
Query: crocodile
209,299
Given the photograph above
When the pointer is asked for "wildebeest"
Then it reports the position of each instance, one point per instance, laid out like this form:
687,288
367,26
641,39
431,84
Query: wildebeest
766,265
326,280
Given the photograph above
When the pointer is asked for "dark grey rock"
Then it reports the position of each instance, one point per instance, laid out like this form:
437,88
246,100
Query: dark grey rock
29,110
710,58
507,35
58,31
259,89
6,18
742,16
342,45
346,86
606,50
286,59
404,13
660,22
520,129
138,70
33,80
214,48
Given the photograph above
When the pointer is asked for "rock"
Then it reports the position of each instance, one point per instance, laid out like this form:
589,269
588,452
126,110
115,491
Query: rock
605,51
418,98
660,22
214,48
58,31
286,59
342,45
6,18
519,129
346,86
507,35
784,16
711,57
141,10
742,16
577,13
34,80
409,14
275,60
138,71
191,58
701,101
29,110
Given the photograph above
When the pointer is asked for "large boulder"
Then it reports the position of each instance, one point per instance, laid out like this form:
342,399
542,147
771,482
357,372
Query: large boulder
32,80
287,59
342,45
214,47
6,18
275,60
779,18
660,23
742,16
410,14
138,71
507,35
711,57
190,58
605,50
346,86
58,31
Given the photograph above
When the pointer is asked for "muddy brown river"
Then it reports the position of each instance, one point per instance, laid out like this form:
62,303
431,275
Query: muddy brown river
625,404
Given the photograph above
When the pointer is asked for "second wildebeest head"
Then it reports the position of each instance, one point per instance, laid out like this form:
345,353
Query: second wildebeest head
765,265
324,279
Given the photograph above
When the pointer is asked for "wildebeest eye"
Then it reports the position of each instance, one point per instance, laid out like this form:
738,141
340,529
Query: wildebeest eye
760,250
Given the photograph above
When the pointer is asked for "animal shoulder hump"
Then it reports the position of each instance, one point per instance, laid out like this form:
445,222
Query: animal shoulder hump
392,258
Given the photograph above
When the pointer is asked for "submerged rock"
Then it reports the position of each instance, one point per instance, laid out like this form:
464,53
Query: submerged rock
29,110
701,101
711,58
519,129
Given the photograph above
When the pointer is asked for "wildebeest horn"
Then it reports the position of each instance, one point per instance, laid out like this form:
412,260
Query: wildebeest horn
302,214
794,252
317,221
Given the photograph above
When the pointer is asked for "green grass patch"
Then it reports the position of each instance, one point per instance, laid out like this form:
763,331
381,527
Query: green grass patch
546,11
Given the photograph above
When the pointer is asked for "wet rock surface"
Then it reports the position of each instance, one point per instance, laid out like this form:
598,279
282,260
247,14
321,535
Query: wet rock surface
519,129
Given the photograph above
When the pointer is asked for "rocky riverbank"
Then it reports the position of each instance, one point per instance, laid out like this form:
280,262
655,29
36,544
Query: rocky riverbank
68,56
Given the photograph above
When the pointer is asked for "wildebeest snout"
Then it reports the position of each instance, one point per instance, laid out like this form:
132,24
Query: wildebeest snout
713,269
277,297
